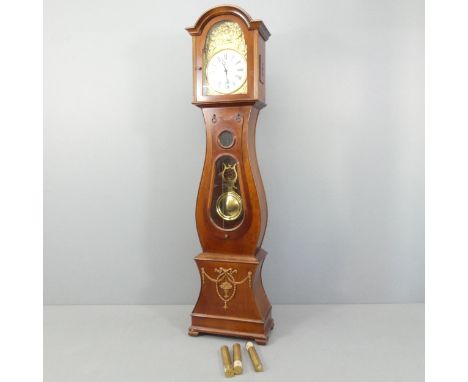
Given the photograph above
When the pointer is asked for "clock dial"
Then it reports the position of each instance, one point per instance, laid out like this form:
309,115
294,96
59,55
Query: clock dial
227,71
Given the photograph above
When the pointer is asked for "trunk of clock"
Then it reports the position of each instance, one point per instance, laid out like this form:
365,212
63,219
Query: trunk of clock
232,301
244,235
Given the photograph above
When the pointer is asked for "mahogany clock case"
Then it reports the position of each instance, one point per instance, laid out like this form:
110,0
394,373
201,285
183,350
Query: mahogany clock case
232,300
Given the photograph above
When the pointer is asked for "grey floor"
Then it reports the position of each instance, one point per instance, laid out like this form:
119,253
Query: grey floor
339,343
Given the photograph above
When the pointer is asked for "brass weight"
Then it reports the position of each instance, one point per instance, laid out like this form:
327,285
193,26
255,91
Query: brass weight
257,364
236,351
228,369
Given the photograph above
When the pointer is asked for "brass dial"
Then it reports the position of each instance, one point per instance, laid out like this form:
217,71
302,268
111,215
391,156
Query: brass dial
225,37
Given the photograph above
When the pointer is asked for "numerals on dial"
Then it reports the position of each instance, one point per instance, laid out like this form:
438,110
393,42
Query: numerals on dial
227,71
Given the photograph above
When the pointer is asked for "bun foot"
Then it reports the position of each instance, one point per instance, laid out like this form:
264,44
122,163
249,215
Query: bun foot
261,341
193,333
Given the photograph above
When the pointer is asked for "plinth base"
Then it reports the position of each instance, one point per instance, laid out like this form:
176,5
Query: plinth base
232,301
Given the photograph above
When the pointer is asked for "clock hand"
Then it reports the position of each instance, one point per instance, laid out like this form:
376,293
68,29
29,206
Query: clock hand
226,73
224,64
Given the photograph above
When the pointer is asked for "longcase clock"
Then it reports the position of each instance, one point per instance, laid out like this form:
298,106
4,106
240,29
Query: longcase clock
231,211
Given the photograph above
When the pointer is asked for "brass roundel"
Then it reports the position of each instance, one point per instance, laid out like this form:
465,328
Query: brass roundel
229,206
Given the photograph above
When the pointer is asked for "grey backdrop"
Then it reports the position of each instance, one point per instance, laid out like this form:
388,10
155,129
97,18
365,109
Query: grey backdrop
340,146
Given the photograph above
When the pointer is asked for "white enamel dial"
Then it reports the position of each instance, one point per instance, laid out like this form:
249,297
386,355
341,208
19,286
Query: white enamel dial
227,71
